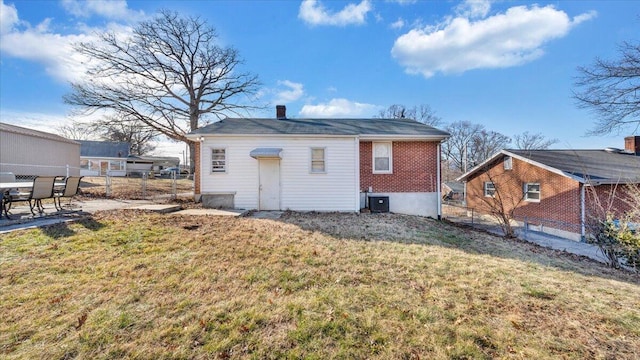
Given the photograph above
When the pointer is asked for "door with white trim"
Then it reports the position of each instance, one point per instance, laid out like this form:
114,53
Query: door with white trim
269,184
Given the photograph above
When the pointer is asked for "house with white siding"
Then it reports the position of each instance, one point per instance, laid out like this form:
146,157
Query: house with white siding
318,164
102,158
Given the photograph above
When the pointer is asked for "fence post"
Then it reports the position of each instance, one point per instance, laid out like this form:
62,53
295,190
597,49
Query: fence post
144,185
526,227
472,216
174,187
67,170
107,183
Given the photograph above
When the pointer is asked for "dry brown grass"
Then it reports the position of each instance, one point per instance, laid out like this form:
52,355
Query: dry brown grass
136,285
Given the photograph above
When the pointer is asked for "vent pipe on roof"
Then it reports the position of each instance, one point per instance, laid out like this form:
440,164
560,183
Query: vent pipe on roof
281,112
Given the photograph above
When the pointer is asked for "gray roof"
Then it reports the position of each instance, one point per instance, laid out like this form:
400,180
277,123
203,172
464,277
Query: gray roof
104,149
594,166
4,127
352,127
455,186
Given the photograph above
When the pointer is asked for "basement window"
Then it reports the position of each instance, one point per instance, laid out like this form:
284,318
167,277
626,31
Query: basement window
532,192
489,189
218,160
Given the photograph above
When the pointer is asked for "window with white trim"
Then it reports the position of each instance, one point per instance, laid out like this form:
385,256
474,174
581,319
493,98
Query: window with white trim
532,192
318,161
218,160
508,163
489,189
382,158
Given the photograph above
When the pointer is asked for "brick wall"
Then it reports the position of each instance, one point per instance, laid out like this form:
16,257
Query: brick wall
611,198
559,195
198,170
414,167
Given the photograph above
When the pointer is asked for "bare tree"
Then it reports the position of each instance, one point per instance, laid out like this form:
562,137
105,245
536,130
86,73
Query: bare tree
76,130
422,113
470,144
486,143
528,141
457,146
504,202
611,89
140,137
168,75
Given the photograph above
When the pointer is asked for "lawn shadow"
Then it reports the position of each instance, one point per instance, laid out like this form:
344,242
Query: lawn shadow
91,224
57,231
409,229
62,230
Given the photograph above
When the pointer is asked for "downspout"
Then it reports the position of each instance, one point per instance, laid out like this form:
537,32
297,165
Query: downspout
356,166
582,213
438,185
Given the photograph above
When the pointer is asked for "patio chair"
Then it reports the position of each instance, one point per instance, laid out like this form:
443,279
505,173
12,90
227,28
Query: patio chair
71,187
42,189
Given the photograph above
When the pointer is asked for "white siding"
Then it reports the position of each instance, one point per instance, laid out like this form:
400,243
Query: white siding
299,189
30,155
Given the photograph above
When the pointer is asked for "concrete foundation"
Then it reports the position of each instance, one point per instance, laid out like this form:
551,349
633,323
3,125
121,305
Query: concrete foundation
218,201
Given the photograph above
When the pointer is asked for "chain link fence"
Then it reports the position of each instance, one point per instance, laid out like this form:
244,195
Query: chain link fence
525,226
133,186
137,188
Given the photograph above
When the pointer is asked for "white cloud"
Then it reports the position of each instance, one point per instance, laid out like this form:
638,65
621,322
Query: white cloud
294,92
403,2
339,108
52,50
313,13
503,40
473,9
110,9
8,17
398,24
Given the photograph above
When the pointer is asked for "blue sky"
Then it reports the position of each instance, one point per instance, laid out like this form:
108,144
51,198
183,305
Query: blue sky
508,65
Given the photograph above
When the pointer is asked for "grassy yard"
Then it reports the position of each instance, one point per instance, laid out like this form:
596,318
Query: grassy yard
316,286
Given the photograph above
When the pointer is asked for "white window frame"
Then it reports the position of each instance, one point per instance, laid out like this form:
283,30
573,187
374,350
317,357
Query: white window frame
312,160
225,160
526,192
373,156
486,189
508,163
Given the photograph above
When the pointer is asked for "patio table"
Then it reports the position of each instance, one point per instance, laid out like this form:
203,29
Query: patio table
6,186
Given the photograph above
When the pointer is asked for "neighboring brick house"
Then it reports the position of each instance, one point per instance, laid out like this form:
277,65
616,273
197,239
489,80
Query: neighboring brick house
555,189
318,164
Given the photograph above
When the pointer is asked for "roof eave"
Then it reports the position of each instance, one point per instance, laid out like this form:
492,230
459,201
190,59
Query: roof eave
466,175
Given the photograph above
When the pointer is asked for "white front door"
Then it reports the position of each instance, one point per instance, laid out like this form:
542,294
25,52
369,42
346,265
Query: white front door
269,184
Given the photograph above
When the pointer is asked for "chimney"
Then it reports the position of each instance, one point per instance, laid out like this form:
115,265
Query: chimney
632,143
281,112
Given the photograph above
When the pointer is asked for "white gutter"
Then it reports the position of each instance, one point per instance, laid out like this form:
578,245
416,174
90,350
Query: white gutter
438,185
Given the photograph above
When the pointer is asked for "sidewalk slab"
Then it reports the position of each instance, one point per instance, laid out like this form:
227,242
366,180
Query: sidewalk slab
210,212
272,215
159,208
